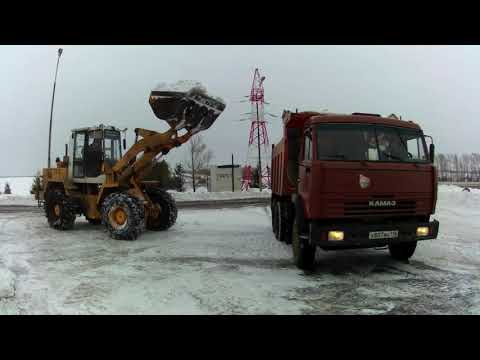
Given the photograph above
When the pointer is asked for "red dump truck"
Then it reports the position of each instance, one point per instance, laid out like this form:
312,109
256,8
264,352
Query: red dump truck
352,181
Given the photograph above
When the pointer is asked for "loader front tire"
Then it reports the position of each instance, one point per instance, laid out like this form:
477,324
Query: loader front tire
59,210
124,216
167,215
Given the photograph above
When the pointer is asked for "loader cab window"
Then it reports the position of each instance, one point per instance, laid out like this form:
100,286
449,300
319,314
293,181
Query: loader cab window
79,155
113,151
93,153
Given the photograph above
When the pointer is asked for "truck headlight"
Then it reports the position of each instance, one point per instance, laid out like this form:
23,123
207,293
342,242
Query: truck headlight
335,235
422,231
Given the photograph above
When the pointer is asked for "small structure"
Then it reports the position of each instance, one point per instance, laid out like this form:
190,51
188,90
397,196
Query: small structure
220,178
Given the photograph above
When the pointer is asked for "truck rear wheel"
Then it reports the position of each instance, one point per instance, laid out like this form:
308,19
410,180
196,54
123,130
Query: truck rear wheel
288,216
123,215
402,251
273,206
59,210
168,210
303,252
281,221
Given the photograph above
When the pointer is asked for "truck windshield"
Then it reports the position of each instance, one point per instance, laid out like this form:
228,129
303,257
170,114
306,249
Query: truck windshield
358,142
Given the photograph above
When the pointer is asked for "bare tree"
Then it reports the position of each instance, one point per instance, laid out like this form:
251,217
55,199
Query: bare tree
199,157
458,168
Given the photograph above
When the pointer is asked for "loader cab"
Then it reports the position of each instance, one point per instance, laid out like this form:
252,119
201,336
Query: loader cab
91,149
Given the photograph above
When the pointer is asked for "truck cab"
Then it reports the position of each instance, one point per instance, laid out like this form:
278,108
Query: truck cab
352,181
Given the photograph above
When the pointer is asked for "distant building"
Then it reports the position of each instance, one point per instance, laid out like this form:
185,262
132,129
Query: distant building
220,178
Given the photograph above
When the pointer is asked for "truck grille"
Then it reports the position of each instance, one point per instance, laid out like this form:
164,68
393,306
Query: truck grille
362,208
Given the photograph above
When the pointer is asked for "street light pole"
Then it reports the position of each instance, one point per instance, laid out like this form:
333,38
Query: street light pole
51,110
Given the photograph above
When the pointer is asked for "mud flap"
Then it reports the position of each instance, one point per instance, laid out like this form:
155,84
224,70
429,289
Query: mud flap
192,110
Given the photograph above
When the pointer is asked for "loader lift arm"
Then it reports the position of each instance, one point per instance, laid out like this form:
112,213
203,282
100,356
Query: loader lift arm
192,111
151,144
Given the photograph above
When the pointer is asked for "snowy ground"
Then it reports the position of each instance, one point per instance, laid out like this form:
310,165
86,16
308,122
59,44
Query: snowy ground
227,261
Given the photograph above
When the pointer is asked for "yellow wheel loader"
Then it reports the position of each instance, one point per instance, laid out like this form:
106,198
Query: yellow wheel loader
97,180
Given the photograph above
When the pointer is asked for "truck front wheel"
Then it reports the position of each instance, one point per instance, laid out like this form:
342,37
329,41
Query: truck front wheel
402,251
303,252
274,218
280,222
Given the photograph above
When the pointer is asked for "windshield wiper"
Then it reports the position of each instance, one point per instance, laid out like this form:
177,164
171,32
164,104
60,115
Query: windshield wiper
337,156
392,156
401,140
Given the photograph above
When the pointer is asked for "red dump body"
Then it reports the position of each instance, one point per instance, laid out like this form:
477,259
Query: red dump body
280,182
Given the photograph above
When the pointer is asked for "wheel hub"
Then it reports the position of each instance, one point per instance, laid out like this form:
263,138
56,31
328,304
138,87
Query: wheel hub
57,210
118,217
155,211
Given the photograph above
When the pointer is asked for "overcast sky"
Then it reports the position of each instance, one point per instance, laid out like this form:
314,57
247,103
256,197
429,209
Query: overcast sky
436,86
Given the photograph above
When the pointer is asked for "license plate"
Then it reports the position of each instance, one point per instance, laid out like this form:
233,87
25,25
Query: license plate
383,234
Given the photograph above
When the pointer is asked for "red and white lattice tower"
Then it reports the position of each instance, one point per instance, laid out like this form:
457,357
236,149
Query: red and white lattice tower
258,155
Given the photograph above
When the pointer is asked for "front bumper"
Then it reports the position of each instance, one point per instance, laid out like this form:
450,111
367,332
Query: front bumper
357,235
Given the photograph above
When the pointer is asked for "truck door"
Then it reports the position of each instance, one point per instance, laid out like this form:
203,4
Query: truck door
79,154
305,167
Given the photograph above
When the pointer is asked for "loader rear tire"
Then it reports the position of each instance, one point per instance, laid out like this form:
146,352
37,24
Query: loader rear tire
168,210
59,210
124,216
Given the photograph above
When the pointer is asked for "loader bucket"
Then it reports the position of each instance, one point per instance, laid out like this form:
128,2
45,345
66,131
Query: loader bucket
191,110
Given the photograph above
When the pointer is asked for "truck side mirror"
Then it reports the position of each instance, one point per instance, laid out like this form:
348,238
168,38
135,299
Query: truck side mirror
432,153
124,144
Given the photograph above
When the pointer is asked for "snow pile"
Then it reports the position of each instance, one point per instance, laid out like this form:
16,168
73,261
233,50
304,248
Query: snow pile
191,86
181,86
455,188
258,190
223,195
18,200
20,186
199,189
456,200
7,283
